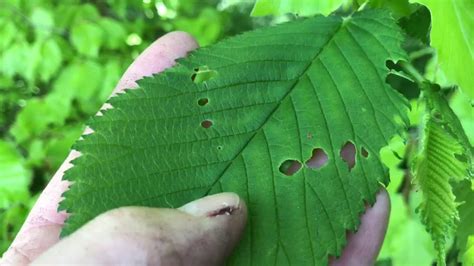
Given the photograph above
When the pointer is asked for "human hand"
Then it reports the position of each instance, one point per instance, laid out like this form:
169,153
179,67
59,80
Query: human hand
199,233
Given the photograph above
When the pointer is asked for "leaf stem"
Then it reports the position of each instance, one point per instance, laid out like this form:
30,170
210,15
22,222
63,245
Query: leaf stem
413,72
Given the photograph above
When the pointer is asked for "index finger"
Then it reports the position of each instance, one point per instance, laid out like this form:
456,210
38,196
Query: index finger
43,224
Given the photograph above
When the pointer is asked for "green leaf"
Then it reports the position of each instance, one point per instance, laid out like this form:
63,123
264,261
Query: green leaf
300,7
452,35
417,24
440,109
14,60
11,220
14,176
42,22
51,51
58,146
406,241
463,107
112,72
37,115
7,31
71,85
442,160
468,256
465,231
438,208
390,156
87,38
200,27
114,33
278,94
399,8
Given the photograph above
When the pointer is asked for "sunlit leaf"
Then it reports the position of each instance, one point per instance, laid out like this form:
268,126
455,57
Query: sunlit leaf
300,7
452,35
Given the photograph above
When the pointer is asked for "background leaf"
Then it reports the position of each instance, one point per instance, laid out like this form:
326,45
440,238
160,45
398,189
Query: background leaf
445,158
87,38
300,7
452,35
465,232
406,242
14,181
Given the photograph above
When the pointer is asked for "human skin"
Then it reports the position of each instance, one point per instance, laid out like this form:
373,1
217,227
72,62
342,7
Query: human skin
202,232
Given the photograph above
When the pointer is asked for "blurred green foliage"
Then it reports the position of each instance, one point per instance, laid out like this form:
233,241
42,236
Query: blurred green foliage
60,60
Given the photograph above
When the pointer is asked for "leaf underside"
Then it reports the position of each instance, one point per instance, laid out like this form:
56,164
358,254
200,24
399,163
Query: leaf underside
276,94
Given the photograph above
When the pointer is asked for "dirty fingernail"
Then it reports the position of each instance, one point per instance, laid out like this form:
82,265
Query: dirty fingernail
214,205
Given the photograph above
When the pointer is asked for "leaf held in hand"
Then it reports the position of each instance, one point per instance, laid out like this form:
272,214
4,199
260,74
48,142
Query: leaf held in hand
276,94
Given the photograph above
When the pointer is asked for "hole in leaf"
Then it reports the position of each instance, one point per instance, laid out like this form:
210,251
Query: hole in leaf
364,152
460,157
203,74
318,159
348,154
203,101
290,167
219,148
206,123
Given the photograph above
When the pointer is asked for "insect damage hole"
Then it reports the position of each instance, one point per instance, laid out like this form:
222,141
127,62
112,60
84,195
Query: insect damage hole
318,159
364,152
206,123
203,101
347,154
290,167
202,74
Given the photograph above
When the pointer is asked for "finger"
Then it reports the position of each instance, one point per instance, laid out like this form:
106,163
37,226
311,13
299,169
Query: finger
203,232
363,246
157,57
43,224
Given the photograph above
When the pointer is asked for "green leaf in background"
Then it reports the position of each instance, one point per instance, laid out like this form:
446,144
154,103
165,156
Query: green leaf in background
87,37
51,59
115,32
300,7
14,177
452,35
464,192
463,108
398,8
37,115
7,31
468,256
417,25
436,167
42,21
310,84
445,158
71,85
15,59
57,147
406,242
199,28
390,156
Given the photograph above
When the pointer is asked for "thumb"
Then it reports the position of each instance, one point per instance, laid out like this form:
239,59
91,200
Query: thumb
202,232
